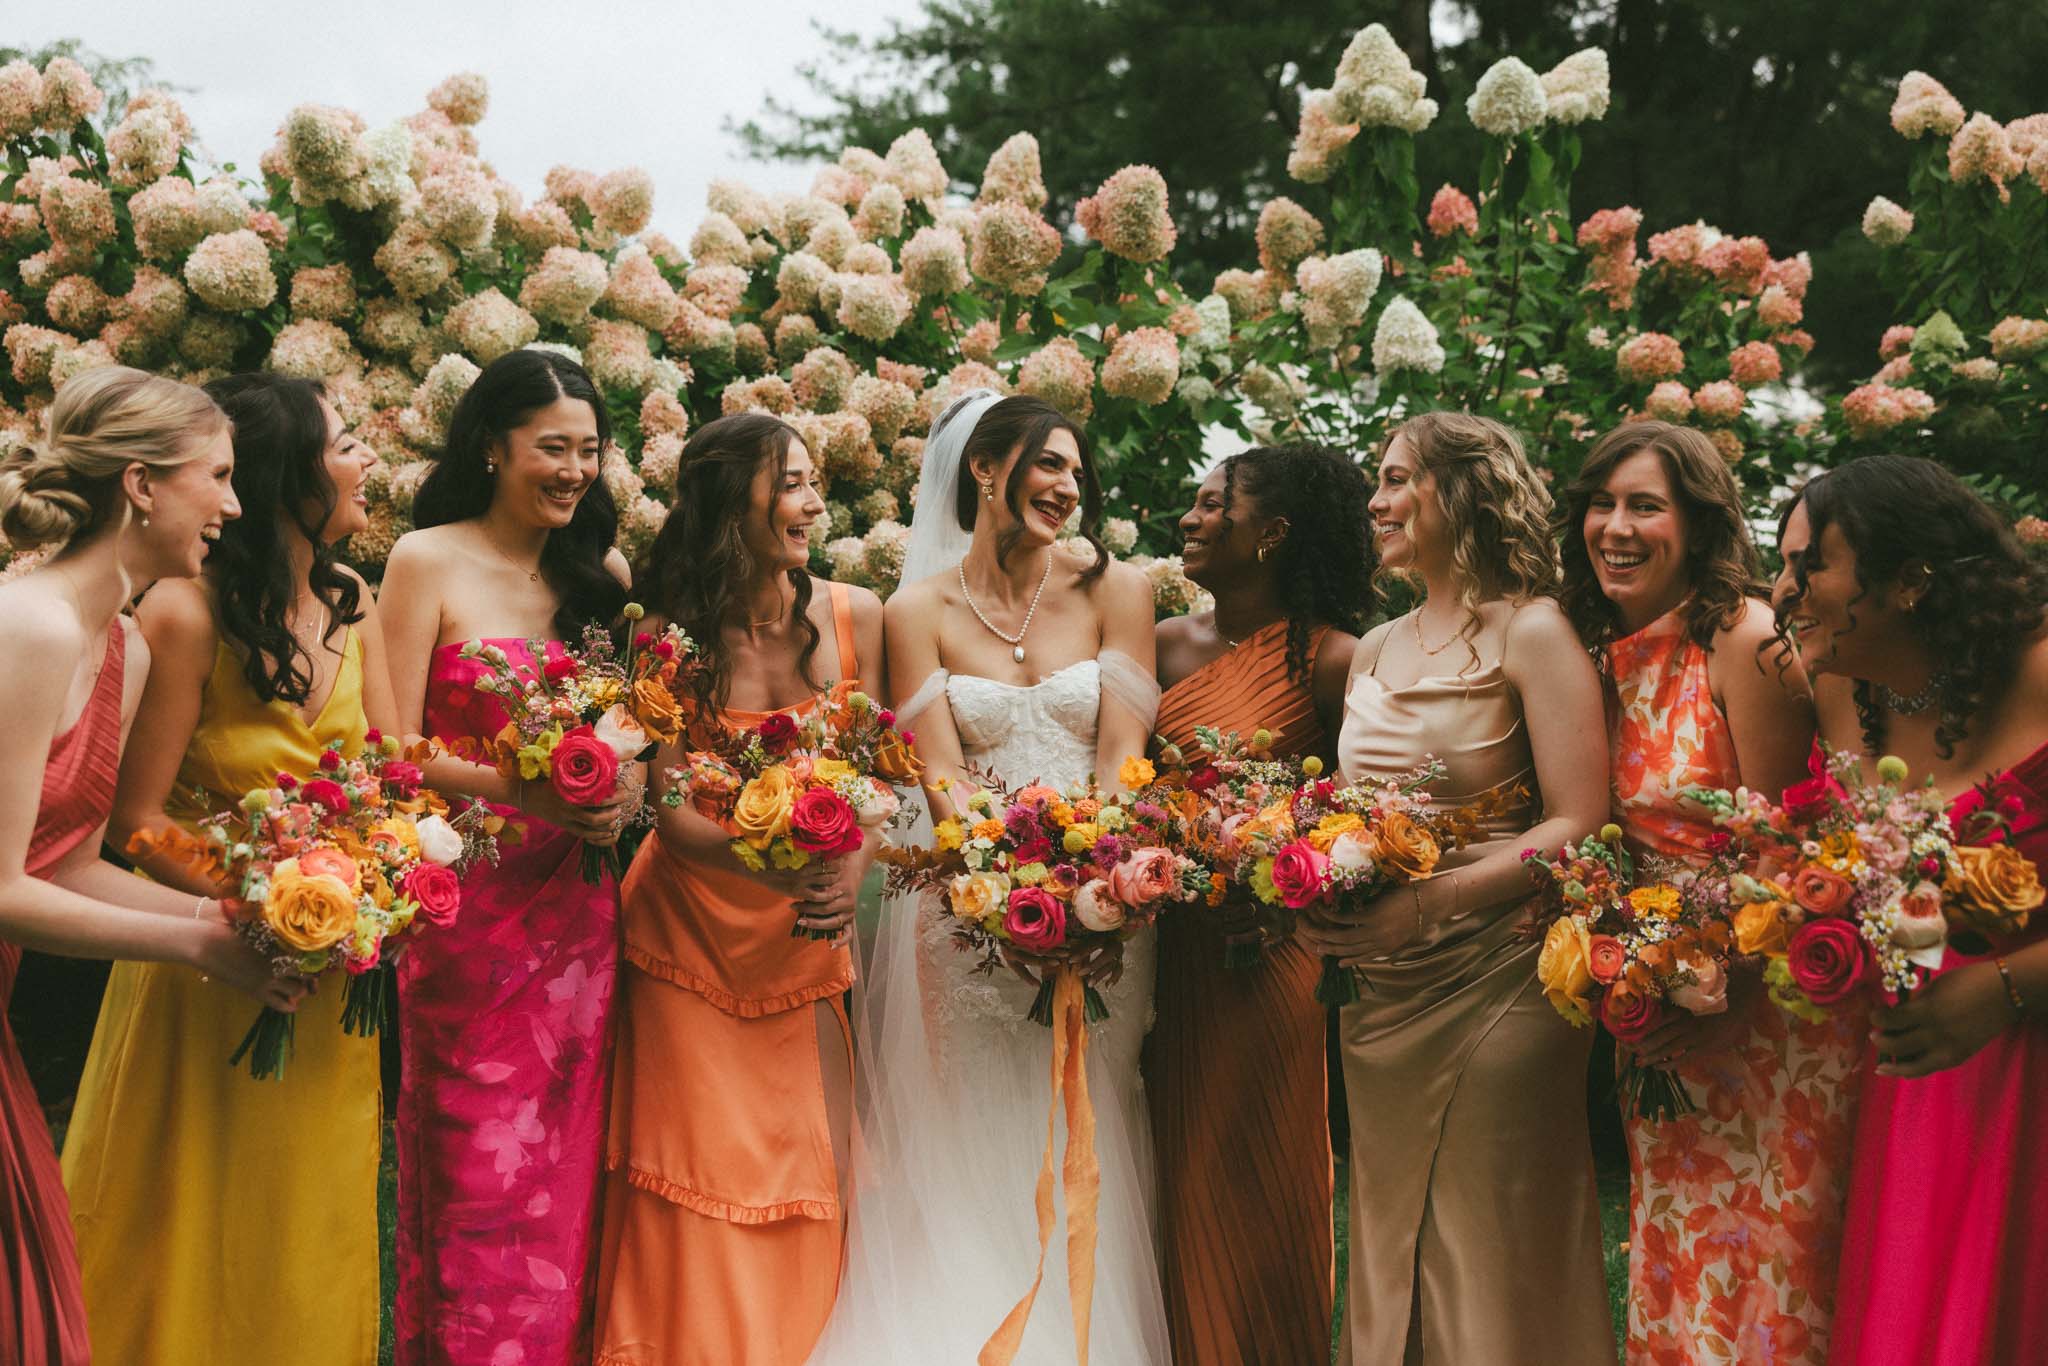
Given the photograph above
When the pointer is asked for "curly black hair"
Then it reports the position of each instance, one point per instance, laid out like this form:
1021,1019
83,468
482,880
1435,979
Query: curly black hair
280,449
1986,600
1324,566
460,486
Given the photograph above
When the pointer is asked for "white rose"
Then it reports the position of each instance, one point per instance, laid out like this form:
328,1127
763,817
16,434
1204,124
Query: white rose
438,841
620,733
1350,853
1096,909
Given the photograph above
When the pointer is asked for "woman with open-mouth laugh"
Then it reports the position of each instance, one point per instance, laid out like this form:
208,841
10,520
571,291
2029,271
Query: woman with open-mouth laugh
127,484
256,667
724,1213
1663,582
1925,628
507,1013
1474,1232
1235,1067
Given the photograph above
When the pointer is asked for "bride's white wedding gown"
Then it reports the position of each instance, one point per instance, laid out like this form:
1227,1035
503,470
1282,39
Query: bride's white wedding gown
955,1093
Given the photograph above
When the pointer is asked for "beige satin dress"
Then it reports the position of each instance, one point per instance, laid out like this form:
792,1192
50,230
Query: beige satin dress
1475,1237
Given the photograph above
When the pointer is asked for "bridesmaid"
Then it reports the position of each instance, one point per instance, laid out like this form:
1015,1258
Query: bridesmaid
1735,1215
724,1215
256,667
129,482
1234,1066
506,1018
1474,1232
1926,629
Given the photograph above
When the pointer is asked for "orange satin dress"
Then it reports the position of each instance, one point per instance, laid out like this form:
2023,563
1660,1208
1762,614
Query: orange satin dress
1235,1076
723,1225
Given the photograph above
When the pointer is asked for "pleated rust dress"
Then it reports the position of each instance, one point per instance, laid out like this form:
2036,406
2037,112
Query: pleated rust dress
1234,1074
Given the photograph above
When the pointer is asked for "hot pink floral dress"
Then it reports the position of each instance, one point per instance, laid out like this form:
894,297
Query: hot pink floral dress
1735,1217
501,1107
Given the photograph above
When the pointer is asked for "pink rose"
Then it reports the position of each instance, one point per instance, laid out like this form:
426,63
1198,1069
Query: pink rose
1298,872
1097,908
401,778
436,891
823,822
1145,877
1828,960
1631,1016
1035,921
1707,993
585,771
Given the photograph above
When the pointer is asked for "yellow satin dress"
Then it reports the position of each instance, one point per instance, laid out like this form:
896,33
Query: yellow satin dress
220,1218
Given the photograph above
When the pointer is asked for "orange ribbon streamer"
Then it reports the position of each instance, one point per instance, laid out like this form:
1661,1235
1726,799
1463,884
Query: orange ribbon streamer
1081,1178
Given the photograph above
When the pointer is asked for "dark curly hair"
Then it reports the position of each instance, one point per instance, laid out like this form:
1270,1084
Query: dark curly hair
1023,424
1324,565
280,472
1721,562
694,571
460,486
1986,600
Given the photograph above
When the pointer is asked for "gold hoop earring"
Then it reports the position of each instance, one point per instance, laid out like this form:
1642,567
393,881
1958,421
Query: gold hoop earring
988,492
1262,553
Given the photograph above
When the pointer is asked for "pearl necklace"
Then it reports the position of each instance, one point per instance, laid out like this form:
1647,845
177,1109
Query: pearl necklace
1015,642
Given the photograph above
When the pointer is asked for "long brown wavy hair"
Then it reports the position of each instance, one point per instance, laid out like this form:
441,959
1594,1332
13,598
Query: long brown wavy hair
1496,508
1721,563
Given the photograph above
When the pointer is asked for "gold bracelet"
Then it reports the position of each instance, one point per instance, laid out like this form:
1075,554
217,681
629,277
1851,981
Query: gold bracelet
2012,989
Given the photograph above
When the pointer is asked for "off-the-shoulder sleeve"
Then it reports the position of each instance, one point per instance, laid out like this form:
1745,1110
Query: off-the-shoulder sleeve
931,690
1129,683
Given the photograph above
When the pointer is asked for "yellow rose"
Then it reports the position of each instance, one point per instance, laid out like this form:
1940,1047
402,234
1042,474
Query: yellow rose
1402,849
308,914
1995,886
654,707
1840,851
1136,772
895,761
1659,901
1563,970
761,813
1081,837
830,771
1760,927
948,834
378,888
1329,827
976,896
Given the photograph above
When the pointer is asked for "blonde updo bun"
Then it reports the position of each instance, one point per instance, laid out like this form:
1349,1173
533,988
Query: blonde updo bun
68,485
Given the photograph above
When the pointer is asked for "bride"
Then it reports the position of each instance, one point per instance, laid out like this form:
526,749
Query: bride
1028,657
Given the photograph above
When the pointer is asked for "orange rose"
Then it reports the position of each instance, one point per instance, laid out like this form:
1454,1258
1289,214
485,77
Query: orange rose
327,861
895,761
1403,849
1994,887
1760,927
654,707
1822,891
308,914
1605,957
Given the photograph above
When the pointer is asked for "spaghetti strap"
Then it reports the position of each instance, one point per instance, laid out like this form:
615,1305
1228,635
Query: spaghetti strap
842,629
1373,669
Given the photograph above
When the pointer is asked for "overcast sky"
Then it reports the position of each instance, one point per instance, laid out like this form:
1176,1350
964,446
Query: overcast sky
630,82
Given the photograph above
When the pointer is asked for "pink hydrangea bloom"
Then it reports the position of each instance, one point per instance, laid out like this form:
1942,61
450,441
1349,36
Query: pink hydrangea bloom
2031,530
1335,293
1979,370
1754,363
1923,105
1649,356
1287,233
1886,224
880,213
231,271
979,342
30,351
1776,308
459,206
489,325
821,379
78,214
1013,174
1130,215
155,304
1797,339
319,151
19,225
638,292
415,262
1251,294
312,349
718,290
913,166
1792,273
1014,248
144,146
1320,141
1897,341
1669,401
2017,338
1719,401
68,96
1727,443
1980,150
463,98
1577,88
887,405
541,225
1897,370
326,293
623,201
1680,248
565,285
21,97
874,307
1874,409
1058,373
77,304
1738,263
1452,210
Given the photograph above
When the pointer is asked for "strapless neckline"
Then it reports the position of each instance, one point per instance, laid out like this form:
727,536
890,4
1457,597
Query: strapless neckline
1020,687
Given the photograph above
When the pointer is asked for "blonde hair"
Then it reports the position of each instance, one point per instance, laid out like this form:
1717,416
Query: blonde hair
1496,507
104,419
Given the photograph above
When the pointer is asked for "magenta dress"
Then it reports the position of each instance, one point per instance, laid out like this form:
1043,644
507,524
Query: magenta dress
506,1056
42,1308
1947,1235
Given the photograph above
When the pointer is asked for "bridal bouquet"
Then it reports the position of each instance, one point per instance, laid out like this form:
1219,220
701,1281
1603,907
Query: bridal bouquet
1859,885
1631,950
336,871
579,715
796,787
1237,790
1058,875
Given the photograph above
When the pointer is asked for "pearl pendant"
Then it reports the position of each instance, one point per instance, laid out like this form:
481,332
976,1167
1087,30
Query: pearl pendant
1018,654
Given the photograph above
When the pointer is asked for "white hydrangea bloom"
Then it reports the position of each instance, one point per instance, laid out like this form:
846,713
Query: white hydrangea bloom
1577,87
1510,99
1406,340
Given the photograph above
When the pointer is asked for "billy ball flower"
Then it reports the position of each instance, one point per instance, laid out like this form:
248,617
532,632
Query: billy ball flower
1649,356
414,262
935,261
231,271
1014,247
623,201
1013,174
1452,210
1335,293
1886,224
1406,340
488,325
1577,87
565,285
1287,233
1058,373
463,98
1509,99
1142,365
312,349
1129,215
1755,363
638,292
1923,105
